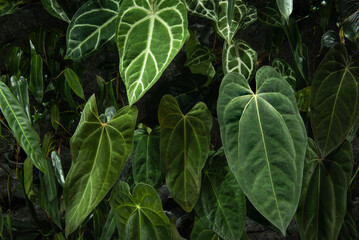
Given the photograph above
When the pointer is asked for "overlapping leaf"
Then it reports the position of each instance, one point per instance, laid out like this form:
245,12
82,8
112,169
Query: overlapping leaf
285,70
269,14
20,89
334,98
199,55
266,161
184,147
199,232
323,201
203,8
74,82
36,85
142,28
99,152
285,7
92,26
239,57
53,7
139,215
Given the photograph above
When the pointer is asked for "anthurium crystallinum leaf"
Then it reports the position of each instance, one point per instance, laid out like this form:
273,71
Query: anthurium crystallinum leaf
184,146
267,161
99,152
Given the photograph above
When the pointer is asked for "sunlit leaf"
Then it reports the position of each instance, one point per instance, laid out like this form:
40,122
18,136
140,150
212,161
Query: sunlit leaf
303,99
109,227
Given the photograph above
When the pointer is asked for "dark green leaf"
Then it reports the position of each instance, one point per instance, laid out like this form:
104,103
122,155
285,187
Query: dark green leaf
36,85
55,9
203,8
349,229
20,90
74,82
269,15
139,215
303,99
56,163
200,55
199,232
230,10
329,39
99,152
28,179
184,146
1,223
55,116
285,70
349,13
13,60
109,227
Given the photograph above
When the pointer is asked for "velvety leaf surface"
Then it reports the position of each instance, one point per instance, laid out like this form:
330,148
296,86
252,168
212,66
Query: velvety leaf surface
139,216
99,152
200,55
199,232
239,57
323,201
92,26
55,9
334,98
20,125
184,146
142,28
74,82
222,204
267,161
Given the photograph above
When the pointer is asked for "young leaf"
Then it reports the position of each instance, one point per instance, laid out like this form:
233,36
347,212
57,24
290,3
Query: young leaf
55,9
74,82
142,28
109,227
92,26
323,201
255,150
139,215
286,71
99,152
203,8
36,85
146,157
239,57
221,205
285,7
21,126
184,146
334,98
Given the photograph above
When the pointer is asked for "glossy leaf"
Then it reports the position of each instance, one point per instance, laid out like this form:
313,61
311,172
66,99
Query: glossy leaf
109,227
19,123
74,82
92,26
203,8
199,232
99,152
285,70
55,9
349,13
184,146
56,163
267,162
334,98
239,57
285,7
36,85
139,215
20,89
222,204
146,157
13,60
55,116
200,54
142,28
323,202
269,15
329,39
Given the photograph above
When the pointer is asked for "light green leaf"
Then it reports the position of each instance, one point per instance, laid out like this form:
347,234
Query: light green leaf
285,7
56,163
20,89
269,15
184,146
222,204
109,227
203,8
323,201
28,179
55,9
20,125
146,157
142,28
239,57
74,82
285,70
303,99
200,55
334,98
267,161
99,152
36,85
199,232
55,116
92,26
139,215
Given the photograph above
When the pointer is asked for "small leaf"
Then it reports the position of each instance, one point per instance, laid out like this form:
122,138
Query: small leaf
161,23
239,57
109,227
329,39
91,28
303,99
200,55
269,15
36,85
20,125
203,8
28,179
56,163
286,71
184,146
13,60
139,215
99,152
285,7
55,9
55,116
74,82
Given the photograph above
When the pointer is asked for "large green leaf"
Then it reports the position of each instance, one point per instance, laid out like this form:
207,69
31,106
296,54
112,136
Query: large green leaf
334,98
203,8
239,57
267,161
56,163
221,205
139,216
323,201
21,126
55,9
99,152
199,232
20,89
92,26
143,27
184,147
146,157
285,7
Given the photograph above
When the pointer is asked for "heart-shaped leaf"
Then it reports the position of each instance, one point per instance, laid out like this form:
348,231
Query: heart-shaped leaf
20,125
92,26
203,8
139,216
323,201
143,27
99,152
334,98
200,55
266,161
184,146
269,14
239,57
222,204
55,9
